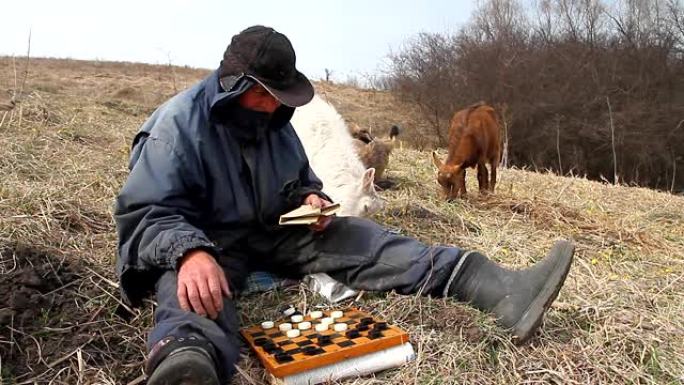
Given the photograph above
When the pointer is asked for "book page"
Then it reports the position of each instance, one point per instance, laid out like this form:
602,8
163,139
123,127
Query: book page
307,214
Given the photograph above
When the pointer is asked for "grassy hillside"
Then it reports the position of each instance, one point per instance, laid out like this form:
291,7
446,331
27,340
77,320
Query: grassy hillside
63,156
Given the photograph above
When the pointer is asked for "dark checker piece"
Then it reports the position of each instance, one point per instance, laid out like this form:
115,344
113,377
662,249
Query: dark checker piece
362,328
271,348
312,350
324,340
374,334
353,334
366,321
283,357
380,326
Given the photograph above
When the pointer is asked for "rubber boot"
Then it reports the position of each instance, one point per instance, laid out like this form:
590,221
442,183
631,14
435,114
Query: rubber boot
518,299
185,366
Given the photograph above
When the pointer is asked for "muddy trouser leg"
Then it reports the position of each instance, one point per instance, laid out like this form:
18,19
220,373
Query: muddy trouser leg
361,254
219,337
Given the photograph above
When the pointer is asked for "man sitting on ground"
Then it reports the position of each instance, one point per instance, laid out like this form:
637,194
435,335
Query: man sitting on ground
210,173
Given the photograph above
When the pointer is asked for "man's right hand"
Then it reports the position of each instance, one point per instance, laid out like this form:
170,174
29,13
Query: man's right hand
201,284
318,202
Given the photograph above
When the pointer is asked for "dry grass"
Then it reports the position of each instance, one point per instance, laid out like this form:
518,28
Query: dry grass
63,153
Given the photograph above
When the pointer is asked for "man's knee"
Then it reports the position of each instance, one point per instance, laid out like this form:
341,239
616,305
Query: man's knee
355,236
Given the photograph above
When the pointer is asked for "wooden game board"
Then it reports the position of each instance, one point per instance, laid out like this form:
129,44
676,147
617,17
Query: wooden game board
283,356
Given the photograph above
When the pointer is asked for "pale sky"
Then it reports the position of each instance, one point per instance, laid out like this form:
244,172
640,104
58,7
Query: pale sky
349,37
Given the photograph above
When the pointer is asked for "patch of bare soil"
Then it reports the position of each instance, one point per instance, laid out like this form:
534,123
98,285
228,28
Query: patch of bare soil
31,302
43,320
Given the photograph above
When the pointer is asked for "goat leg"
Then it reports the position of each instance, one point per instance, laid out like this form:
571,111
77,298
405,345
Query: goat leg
492,184
482,177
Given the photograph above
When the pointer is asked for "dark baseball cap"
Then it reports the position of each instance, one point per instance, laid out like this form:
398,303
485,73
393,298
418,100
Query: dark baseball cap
267,56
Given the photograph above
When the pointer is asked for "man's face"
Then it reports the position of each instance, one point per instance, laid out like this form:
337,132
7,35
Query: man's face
257,98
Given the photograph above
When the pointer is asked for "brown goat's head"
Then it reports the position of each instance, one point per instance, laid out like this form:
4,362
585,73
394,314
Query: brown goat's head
450,177
361,134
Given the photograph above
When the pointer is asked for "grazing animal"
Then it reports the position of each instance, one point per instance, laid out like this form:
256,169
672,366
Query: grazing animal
361,134
332,157
374,152
366,136
473,142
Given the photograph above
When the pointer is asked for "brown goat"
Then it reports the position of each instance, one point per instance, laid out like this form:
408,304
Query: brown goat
374,152
361,134
473,142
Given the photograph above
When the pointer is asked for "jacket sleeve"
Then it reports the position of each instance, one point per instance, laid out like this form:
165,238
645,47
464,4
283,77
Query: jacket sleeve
155,209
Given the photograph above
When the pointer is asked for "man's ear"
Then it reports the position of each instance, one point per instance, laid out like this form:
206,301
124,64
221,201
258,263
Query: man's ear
368,178
436,161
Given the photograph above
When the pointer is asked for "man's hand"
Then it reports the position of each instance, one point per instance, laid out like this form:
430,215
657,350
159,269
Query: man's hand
201,284
318,202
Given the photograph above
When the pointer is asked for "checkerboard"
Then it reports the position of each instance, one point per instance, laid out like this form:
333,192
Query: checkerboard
283,356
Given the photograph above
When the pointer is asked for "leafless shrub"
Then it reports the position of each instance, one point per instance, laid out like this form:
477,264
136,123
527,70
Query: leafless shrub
554,65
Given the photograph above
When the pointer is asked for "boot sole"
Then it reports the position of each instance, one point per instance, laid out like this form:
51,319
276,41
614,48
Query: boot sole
532,317
187,368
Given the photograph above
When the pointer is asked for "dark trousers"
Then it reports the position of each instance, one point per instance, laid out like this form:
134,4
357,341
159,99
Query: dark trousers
354,251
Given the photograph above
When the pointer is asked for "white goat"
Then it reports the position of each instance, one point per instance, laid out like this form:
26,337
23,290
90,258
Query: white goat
332,156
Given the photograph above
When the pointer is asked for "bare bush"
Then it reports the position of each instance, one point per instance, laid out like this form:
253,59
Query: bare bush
554,66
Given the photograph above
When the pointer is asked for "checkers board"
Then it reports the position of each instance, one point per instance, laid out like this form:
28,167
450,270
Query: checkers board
283,356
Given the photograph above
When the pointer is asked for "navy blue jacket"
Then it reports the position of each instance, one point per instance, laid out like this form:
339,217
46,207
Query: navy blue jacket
191,176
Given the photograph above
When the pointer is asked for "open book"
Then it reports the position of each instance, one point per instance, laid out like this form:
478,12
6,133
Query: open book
307,214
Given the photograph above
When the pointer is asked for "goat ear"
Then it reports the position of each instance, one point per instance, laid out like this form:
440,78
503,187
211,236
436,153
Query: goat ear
368,178
436,161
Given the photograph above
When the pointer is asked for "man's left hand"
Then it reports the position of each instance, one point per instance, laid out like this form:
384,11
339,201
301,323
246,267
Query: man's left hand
318,202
